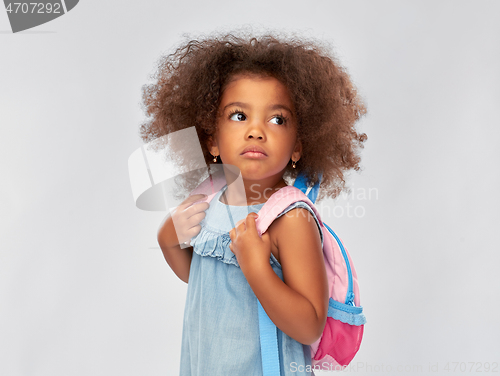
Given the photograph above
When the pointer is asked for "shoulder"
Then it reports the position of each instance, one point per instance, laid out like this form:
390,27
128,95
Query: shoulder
296,215
296,233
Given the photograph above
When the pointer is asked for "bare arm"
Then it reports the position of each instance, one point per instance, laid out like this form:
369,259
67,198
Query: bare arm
182,224
177,258
299,304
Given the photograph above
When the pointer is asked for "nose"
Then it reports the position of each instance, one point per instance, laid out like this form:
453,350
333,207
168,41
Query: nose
256,130
258,137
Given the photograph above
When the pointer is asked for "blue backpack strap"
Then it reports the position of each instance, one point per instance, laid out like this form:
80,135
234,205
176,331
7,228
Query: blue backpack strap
301,183
268,331
268,344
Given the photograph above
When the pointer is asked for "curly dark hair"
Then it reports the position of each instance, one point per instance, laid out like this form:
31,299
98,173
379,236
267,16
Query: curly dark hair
189,83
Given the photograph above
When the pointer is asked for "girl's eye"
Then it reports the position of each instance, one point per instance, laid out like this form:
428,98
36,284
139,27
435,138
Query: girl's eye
279,120
237,116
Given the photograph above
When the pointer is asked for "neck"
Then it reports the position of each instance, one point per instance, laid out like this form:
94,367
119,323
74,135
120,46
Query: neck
241,192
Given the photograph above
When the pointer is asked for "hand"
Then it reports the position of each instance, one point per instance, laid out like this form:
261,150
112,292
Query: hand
187,217
251,250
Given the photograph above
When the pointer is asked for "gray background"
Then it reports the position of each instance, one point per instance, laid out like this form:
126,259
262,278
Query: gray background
83,289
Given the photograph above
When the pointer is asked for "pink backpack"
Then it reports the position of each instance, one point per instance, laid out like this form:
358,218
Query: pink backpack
343,331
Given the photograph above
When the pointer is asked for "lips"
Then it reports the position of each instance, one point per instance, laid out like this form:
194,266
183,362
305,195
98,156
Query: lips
254,149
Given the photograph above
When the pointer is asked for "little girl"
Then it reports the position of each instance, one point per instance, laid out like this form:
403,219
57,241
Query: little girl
271,108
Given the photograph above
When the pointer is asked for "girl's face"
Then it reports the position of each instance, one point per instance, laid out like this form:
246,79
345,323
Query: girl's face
256,111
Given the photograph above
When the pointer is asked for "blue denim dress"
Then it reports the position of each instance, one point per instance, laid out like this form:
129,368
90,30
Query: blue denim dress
221,327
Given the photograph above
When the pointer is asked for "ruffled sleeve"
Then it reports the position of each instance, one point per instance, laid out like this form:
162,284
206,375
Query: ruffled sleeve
214,243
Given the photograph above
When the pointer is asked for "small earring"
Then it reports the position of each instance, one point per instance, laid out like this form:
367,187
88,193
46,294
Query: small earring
215,158
293,163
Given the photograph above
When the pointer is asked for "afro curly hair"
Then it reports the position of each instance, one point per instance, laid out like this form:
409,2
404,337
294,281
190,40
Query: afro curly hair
189,82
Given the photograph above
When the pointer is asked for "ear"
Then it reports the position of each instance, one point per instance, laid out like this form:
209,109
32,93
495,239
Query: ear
297,151
212,146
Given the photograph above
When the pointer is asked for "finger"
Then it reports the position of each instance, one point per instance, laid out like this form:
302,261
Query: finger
199,206
192,199
265,237
195,219
240,226
196,209
250,222
188,235
197,197
193,231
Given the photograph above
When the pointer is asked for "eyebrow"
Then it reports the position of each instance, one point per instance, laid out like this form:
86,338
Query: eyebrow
277,106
